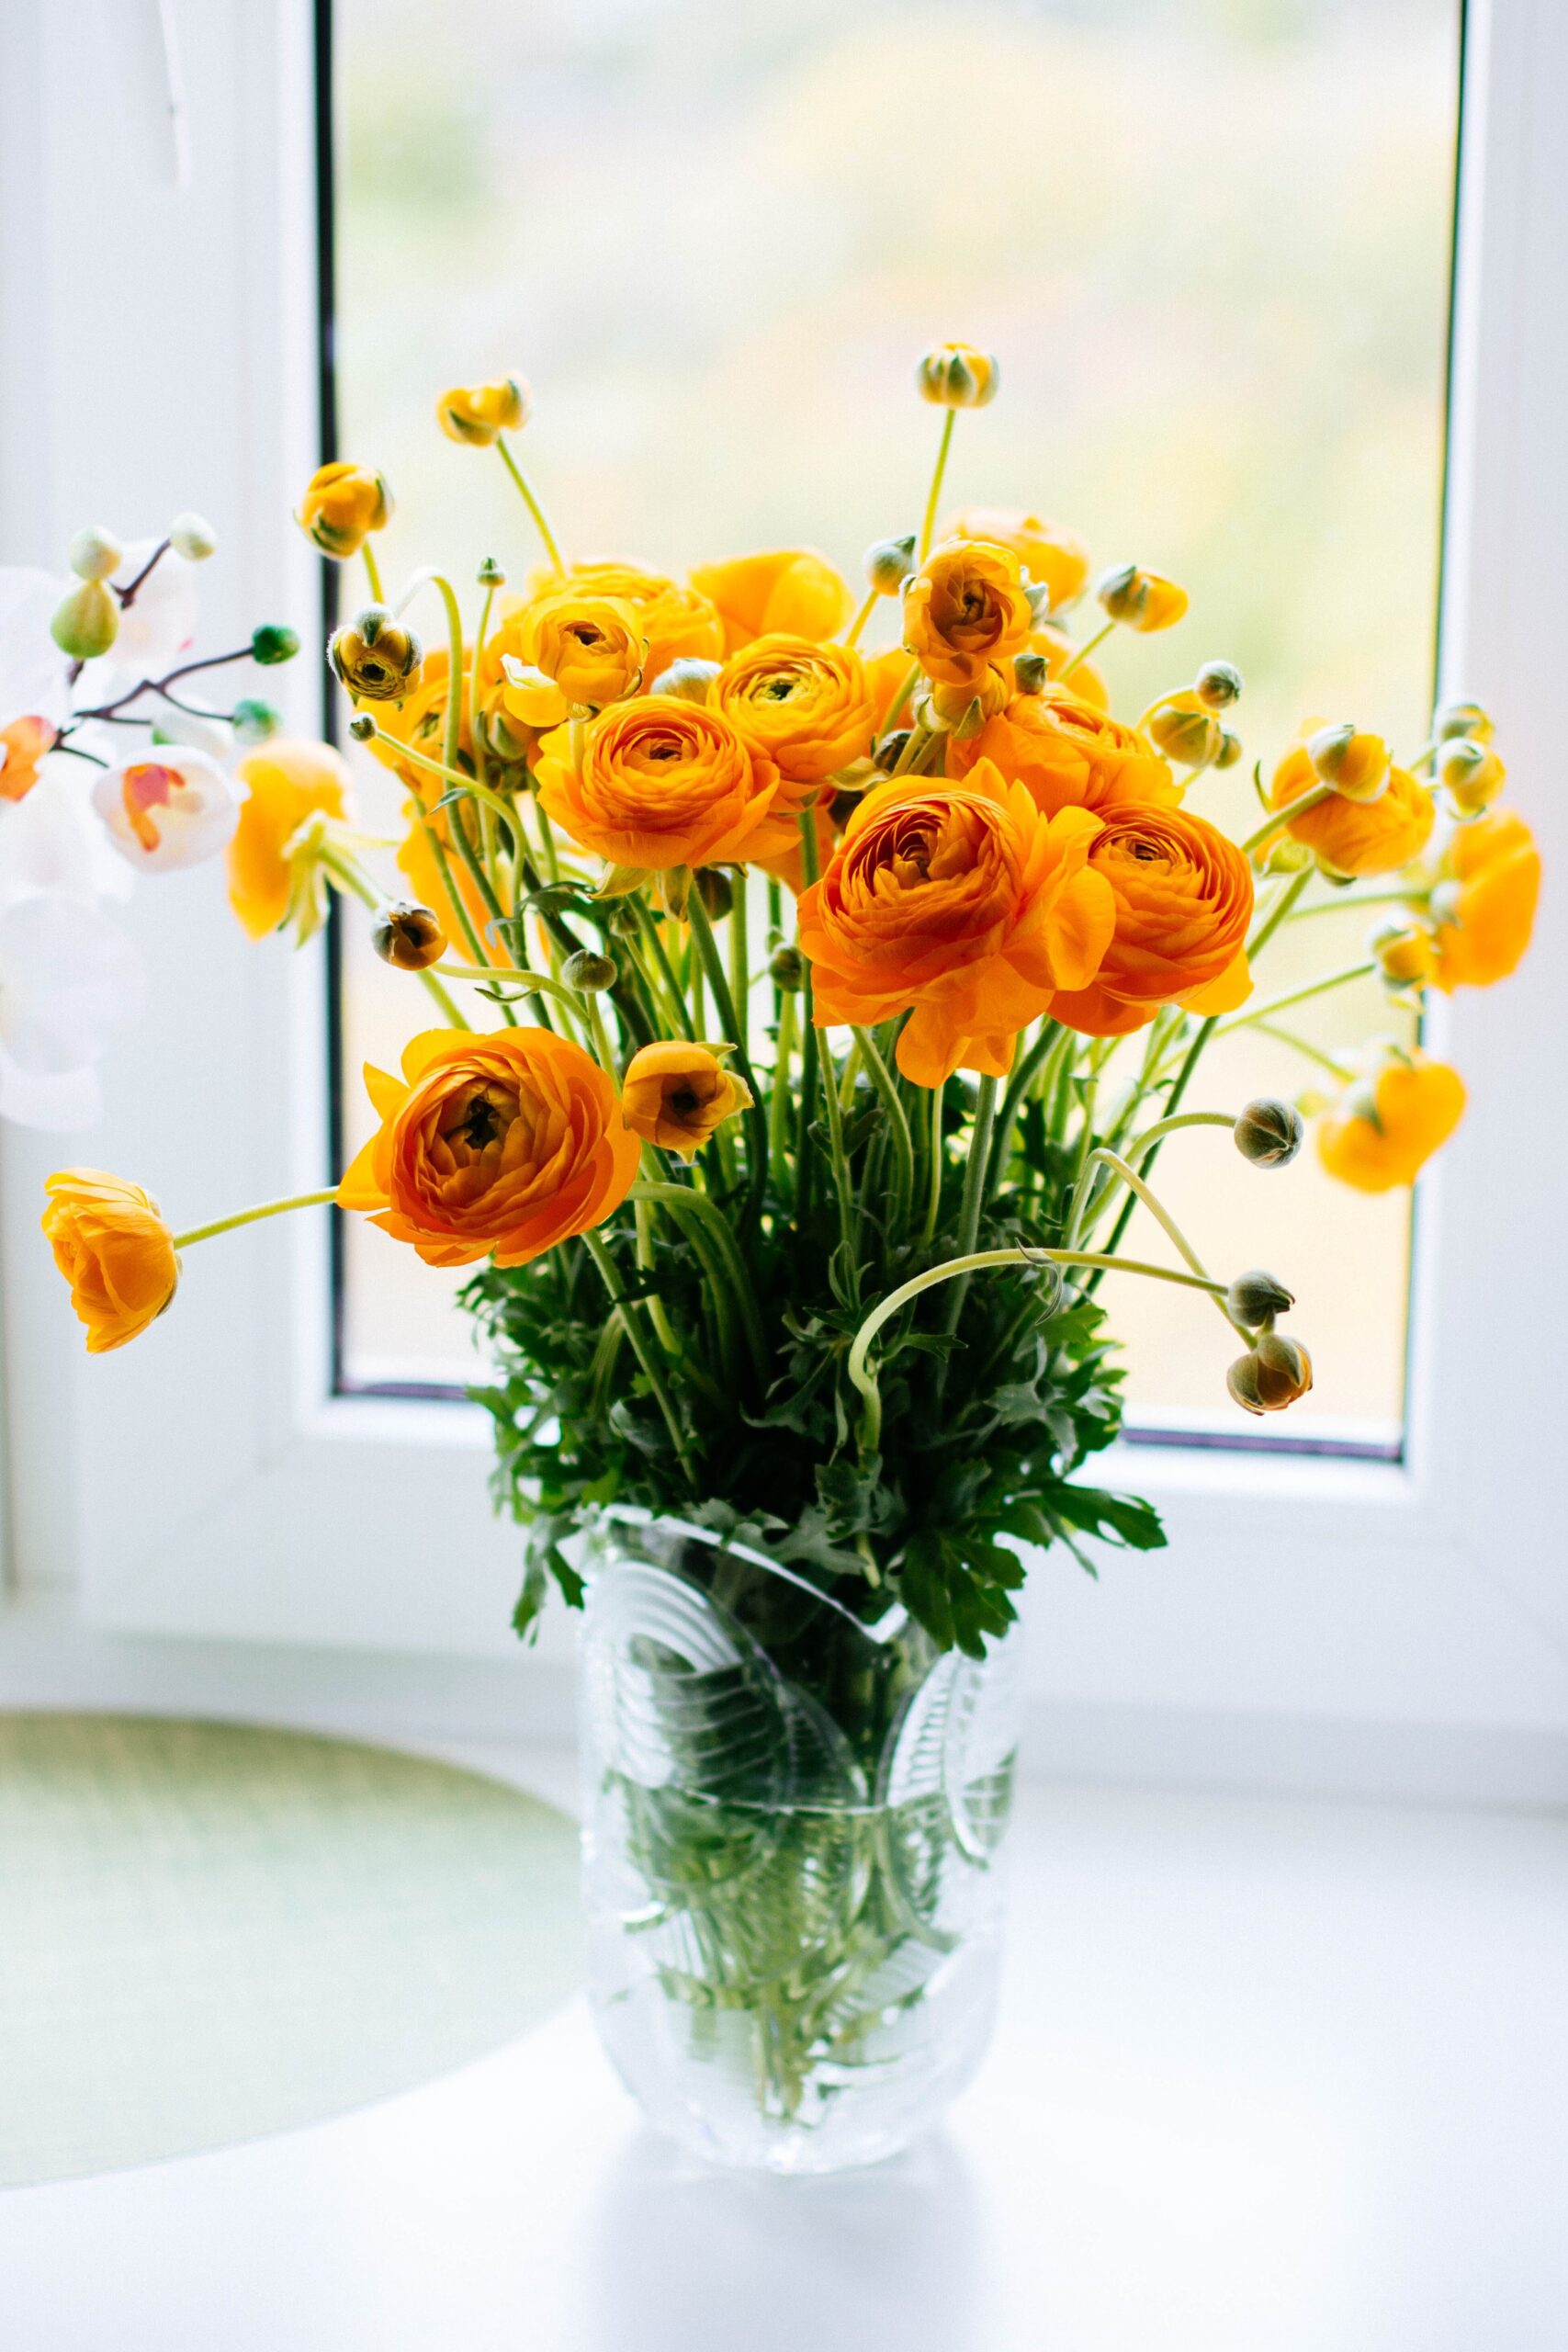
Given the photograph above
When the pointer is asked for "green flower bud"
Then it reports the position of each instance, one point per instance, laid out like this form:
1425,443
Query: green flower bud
1029,671
1218,685
95,554
689,678
716,891
955,375
491,574
590,972
192,537
787,965
1185,731
1270,1375
1458,718
1123,591
256,720
1286,856
86,621
1229,751
362,726
273,643
408,936
622,918
1257,1297
891,749
888,563
1269,1133
374,656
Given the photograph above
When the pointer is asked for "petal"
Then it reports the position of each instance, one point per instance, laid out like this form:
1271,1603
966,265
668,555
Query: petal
1233,986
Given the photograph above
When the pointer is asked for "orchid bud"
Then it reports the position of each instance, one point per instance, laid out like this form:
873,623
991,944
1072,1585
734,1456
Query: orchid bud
95,554
85,621
255,721
193,537
408,936
273,643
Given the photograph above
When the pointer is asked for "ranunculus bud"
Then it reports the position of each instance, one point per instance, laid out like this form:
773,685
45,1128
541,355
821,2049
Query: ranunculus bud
342,503
1218,685
1143,600
590,972
362,726
1405,952
888,563
86,621
478,412
1184,731
787,965
962,711
689,678
255,721
408,936
489,574
1455,718
1270,1375
954,375
95,553
891,749
1357,765
716,891
273,643
1029,671
1229,751
1288,856
374,656
1256,1298
1269,1133
1471,776
192,537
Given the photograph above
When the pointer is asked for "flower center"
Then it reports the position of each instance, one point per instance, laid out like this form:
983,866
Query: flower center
147,787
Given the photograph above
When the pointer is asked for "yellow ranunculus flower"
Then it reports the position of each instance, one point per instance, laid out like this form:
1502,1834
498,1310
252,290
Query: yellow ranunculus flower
288,782
954,375
342,505
679,623
1489,880
809,708
677,1095
1356,836
478,412
1383,1130
964,609
1055,557
114,1250
582,651
791,592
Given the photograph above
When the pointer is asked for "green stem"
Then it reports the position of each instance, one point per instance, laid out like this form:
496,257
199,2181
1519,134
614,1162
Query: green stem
975,1169
1085,649
1343,900
886,1086
756,1118
682,1200
643,1218
1296,996
648,924
928,522
558,562
1280,819
1018,1088
978,1262
643,1350
1122,1173
1311,1053
896,707
373,573
778,1094
1152,1137
861,620
249,1217
939,1154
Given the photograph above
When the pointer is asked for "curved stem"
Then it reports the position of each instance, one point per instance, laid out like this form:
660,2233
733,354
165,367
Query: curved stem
1296,996
249,1217
649,925
939,1156
861,619
1136,1185
1152,1137
1311,1053
978,1262
1279,818
928,522
1084,651
975,1169
557,562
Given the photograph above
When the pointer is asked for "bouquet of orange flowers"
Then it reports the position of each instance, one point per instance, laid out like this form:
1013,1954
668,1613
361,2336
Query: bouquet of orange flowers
803,1025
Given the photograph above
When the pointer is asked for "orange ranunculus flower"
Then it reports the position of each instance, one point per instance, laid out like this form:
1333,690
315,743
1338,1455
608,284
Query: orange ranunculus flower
809,708
962,903
583,651
1488,882
1356,836
679,623
663,782
788,592
1183,907
1057,647
1070,755
964,609
288,782
1053,557
677,1095
23,743
1383,1129
114,1250
342,505
494,1147
478,412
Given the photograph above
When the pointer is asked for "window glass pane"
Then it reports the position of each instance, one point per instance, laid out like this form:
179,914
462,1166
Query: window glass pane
1210,239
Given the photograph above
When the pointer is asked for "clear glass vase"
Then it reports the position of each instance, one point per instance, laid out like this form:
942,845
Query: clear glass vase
793,1824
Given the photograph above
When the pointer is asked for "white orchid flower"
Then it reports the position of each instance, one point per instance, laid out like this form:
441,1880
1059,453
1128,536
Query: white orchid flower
157,629
169,809
33,682
68,976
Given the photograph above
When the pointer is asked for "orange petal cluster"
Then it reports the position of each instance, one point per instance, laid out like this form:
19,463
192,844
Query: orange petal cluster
964,610
1070,755
1184,897
114,1250
788,590
1381,1133
663,782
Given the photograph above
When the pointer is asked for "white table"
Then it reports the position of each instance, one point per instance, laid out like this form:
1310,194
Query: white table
1269,2078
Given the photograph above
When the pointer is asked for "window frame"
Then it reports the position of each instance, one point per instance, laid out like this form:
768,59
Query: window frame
210,1483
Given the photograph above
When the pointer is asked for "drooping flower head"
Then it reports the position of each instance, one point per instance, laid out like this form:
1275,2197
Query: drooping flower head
114,1250
962,904
1184,897
1485,902
964,610
491,1147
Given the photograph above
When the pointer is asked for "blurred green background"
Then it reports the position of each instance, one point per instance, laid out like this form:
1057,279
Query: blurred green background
1210,241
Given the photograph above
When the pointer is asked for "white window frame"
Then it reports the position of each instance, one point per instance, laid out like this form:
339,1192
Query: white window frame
160,353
